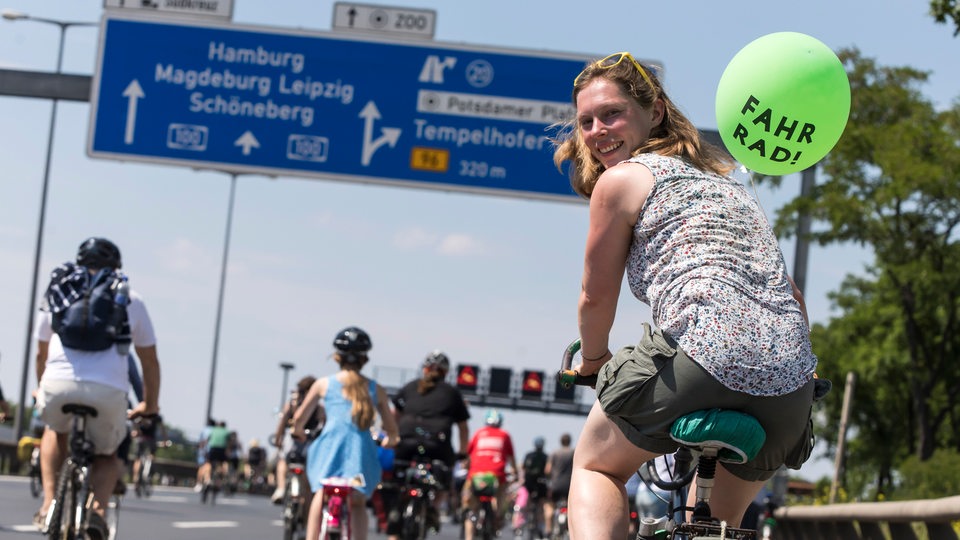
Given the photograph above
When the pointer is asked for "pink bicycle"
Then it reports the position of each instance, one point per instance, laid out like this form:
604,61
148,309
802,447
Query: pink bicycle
335,512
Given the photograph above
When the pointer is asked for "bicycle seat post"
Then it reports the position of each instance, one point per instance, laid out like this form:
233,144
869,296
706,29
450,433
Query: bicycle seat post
706,473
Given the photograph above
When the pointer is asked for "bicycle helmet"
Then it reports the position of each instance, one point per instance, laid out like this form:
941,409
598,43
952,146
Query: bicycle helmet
438,360
98,253
493,418
352,343
538,443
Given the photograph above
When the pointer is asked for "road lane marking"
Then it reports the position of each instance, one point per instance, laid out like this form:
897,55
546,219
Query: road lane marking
19,528
204,524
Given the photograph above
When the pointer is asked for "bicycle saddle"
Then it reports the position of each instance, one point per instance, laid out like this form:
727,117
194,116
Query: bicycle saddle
738,435
76,408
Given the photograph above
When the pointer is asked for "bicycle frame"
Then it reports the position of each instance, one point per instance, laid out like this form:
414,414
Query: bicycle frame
293,502
68,512
417,495
483,518
559,518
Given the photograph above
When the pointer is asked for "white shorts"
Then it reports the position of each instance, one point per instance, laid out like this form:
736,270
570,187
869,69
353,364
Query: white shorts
106,431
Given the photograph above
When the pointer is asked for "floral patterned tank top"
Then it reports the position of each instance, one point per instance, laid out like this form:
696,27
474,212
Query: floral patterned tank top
706,261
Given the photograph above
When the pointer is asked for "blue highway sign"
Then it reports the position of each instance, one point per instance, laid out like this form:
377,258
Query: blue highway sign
247,99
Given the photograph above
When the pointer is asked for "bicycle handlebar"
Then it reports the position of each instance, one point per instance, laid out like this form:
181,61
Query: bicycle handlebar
567,377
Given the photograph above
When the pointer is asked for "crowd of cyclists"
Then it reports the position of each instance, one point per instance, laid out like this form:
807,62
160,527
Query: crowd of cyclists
431,417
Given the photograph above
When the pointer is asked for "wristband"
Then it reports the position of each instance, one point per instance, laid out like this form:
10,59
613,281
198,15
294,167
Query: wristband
597,359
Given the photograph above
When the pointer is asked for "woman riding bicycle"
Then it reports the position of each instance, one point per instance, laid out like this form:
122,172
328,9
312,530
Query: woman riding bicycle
698,249
345,448
295,448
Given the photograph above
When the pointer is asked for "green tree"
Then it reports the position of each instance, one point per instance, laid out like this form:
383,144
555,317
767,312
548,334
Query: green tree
944,10
891,184
932,478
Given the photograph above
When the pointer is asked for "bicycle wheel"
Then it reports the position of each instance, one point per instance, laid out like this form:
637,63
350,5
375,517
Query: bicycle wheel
291,511
327,530
81,511
61,517
560,524
113,516
414,520
36,483
486,529
145,470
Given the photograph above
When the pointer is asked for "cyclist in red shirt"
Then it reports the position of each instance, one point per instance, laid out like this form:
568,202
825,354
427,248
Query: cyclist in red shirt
489,452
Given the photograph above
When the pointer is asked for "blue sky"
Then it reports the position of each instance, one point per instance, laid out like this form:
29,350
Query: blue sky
490,280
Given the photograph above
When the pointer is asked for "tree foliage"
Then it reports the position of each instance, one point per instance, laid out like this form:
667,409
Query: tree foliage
946,10
892,184
930,479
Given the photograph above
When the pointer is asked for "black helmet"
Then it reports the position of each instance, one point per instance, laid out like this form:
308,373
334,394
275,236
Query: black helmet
352,340
437,360
98,253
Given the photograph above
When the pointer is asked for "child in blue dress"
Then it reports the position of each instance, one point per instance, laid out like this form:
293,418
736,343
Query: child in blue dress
349,403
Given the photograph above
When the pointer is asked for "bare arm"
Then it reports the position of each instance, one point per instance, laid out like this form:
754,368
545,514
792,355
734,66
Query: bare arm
285,416
43,348
150,365
464,431
614,208
307,408
387,418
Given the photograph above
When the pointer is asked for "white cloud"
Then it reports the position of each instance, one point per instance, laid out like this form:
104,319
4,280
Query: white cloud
460,245
451,244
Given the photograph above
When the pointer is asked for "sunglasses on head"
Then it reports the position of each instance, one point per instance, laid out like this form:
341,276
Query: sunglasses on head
614,60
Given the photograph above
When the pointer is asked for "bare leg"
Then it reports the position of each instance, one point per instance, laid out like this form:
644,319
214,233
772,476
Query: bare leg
53,449
548,516
281,475
603,462
730,496
359,518
467,502
103,478
313,517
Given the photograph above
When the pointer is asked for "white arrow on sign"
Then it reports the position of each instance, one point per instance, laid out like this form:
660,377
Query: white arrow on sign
371,114
133,92
247,141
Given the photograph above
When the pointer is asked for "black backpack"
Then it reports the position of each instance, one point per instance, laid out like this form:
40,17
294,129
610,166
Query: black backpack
89,311
535,465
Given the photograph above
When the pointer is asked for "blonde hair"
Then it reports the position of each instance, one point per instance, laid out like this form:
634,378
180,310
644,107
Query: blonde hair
675,136
356,388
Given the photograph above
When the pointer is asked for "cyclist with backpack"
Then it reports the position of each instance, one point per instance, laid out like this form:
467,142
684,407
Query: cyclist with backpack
535,480
88,320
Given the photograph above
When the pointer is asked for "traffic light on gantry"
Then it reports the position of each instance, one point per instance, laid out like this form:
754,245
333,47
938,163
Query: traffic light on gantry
468,376
532,385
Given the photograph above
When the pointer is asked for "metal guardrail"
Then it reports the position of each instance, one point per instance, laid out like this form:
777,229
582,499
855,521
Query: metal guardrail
867,521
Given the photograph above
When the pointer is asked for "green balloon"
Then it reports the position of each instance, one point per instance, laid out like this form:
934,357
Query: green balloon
782,103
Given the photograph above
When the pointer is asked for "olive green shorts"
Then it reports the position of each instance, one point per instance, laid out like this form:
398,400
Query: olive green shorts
645,387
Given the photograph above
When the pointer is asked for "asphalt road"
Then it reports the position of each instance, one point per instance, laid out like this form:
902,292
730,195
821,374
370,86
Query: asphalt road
168,513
